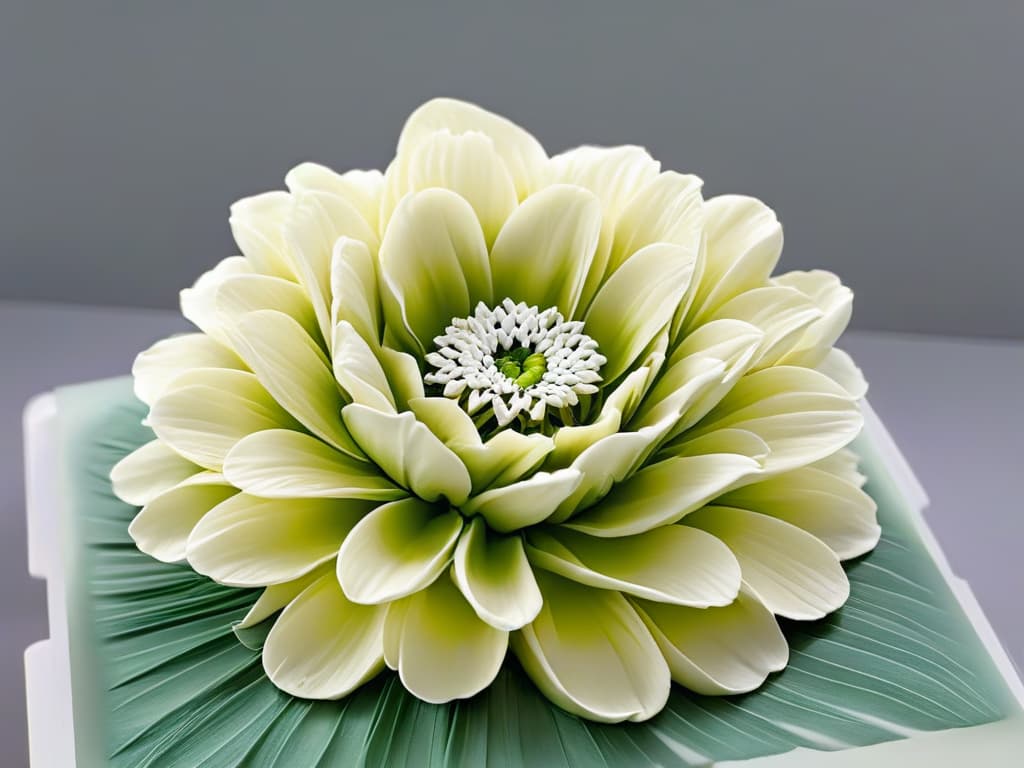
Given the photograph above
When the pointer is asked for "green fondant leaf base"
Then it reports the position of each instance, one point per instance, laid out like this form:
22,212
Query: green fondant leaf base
160,679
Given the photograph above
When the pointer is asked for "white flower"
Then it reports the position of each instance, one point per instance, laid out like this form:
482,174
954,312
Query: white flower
493,399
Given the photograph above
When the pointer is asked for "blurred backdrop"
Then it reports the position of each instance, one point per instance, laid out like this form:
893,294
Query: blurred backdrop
888,136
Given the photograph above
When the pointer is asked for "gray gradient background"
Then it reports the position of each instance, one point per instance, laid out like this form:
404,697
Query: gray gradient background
888,136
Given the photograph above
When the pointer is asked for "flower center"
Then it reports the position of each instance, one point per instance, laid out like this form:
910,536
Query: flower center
516,362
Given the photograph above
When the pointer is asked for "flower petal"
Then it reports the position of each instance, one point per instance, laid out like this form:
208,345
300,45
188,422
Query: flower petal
503,459
276,596
443,650
355,295
663,493
295,371
522,154
614,174
256,224
839,367
159,365
199,303
637,302
832,509
162,527
148,471
251,542
495,577
312,229
782,314
668,209
285,464
211,409
433,265
237,295
403,373
793,573
360,188
397,549
409,453
833,299
801,414
580,630
358,371
524,502
322,646
744,242
544,251
718,651
668,564
465,163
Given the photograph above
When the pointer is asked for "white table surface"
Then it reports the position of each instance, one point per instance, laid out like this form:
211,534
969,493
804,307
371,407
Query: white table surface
955,406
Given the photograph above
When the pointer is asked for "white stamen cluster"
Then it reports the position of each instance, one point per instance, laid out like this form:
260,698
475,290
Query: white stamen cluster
468,353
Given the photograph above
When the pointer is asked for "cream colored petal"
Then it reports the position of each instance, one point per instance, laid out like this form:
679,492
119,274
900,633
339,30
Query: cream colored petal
295,371
793,573
667,209
503,459
256,224
839,367
614,174
718,651
782,314
832,509
637,302
314,225
733,342
544,251
744,242
495,577
285,464
607,461
465,163
522,154
670,564
322,646
580,630
397,549
724,440
362,189
252,542
277,596
524,502
358,371
664,493
211,409
833,299
618,407
156,367
409,453
801,414
355,296
148,471
404,375
199,303
162,527
238,295
683,389
444,650
843,464
434,266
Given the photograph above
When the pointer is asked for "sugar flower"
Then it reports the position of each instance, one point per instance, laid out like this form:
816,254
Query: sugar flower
493,401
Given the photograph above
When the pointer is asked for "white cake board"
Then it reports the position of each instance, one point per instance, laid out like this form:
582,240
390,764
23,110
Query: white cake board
48,667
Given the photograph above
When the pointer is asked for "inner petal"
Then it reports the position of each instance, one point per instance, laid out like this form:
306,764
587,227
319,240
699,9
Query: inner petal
515,363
